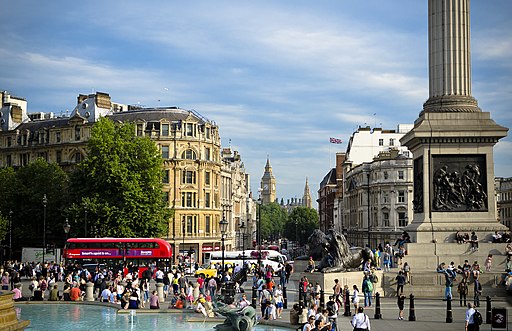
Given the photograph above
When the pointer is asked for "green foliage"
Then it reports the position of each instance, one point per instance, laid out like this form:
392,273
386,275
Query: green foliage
120,184
273,218
4,226
301,223
23,192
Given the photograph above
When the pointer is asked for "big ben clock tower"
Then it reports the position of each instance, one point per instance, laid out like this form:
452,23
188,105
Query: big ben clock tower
268,185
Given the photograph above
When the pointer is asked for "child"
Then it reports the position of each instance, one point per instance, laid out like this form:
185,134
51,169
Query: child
271,311
488,263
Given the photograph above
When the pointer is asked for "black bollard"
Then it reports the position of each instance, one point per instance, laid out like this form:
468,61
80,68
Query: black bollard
301,298
488,315
285,298
412,312
322,299
254,297
449,315
347,305
377,315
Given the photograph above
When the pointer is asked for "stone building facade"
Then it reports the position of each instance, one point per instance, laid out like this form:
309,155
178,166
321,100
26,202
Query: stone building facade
200,183
504,200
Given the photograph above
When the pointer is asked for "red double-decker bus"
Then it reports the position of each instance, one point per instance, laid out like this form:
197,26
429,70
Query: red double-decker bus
119,253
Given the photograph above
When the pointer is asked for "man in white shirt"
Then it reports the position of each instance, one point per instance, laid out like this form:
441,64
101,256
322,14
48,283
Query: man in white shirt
360,321
470,322
159,276
105,295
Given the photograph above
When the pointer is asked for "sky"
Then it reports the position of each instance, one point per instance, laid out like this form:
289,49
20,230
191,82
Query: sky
278,77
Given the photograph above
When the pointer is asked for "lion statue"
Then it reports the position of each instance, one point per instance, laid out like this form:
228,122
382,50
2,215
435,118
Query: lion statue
334,252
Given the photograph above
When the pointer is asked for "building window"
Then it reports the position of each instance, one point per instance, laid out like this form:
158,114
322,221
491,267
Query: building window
401,219
166,198
385,197
140,130
207,133
57,137
207,154
58,157
9,160
188,155
381,142
385,217
401,196
391,142
207,224
78,157
207,199
165,152
207,178
188,199
400,174
386,175
165,176
189,129
165,130
77,133
190,222
9,141
189,177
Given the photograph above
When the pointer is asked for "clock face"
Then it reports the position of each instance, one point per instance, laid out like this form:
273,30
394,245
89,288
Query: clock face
265,187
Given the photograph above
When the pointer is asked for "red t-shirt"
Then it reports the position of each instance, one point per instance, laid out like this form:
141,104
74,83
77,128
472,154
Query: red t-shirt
74,294
200,281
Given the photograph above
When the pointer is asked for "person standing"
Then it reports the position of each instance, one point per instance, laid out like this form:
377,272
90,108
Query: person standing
355,298
400,303
462,288
470,322
407,272
400,282
367,288
488,263
361,321
478,292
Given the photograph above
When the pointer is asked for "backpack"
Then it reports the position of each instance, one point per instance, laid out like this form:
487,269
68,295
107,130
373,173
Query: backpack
477,318
369,285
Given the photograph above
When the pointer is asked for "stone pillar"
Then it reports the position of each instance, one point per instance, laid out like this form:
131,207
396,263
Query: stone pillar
89,291
160,292
452,140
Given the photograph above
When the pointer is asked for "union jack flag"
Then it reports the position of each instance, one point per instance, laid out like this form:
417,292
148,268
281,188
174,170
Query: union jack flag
335,140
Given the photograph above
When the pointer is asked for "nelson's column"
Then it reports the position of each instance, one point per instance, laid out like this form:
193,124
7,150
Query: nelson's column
452,140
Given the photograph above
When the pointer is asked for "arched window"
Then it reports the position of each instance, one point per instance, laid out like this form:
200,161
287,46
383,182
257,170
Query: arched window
188,155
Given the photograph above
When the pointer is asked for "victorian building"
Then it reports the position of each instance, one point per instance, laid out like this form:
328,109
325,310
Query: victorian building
368,195
504,200
201,184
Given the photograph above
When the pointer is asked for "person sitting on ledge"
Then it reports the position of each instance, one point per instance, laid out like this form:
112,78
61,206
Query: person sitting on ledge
496,237
404,238
311,265
17,295
459,237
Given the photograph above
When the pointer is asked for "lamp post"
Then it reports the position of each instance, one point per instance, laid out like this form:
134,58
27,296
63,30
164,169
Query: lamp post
223,224
242,233
66,227
368,201
45,202
183,248
10,235
258,216
85,224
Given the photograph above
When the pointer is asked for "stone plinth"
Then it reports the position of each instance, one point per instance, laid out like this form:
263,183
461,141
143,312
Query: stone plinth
8,320
349,278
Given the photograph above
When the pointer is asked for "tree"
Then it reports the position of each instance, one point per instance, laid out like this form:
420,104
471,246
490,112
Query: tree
119,184
273,218
33,182
302,221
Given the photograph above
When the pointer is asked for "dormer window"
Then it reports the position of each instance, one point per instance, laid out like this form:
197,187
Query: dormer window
77,133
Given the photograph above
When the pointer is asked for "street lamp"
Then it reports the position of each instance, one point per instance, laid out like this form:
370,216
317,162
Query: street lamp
242,232
258,216
85,224
66,227
10,235
368,202
223,225
45,202
183,248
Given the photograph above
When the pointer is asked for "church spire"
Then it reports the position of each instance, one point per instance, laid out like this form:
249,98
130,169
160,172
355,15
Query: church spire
306,198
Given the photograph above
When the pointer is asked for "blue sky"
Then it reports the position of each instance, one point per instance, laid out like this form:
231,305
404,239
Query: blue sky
278,77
